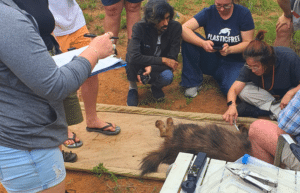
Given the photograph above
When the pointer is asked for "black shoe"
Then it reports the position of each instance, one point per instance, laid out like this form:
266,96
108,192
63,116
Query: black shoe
246,110
132,98
69,156
157,93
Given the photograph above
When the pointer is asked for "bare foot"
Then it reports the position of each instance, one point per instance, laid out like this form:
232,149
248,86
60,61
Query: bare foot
70,142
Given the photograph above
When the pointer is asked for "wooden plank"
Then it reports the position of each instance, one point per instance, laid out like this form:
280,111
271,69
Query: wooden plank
177,173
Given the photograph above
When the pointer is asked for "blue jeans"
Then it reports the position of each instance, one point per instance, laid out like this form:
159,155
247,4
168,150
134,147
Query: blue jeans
31,171
165,78
196,62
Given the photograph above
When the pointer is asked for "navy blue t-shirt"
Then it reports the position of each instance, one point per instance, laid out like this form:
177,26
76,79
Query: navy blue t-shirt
287,72
222,31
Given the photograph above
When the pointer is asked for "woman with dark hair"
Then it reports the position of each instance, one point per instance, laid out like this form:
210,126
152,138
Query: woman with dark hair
267,82
228,29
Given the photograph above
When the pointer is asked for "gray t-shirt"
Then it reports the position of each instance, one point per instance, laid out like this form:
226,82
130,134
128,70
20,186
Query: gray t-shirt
32,87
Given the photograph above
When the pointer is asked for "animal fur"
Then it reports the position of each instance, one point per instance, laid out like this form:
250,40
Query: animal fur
217,142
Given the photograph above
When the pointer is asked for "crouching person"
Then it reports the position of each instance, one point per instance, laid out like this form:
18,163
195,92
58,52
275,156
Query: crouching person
267,82
152,52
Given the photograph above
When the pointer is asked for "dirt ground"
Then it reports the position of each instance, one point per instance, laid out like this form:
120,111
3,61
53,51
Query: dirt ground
113,88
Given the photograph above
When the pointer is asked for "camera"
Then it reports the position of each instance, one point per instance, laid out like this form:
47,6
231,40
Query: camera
144,78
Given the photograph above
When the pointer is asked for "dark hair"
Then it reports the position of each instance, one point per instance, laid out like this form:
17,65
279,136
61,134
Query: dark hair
260,51
155,11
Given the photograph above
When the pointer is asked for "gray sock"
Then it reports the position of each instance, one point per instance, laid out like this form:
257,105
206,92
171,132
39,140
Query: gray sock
132,85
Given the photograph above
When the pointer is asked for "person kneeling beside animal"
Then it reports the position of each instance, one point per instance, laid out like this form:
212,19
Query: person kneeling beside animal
153,50
269,72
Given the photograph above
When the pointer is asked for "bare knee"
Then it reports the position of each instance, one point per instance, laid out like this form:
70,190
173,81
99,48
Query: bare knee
132,7
254,129
113,10
284,32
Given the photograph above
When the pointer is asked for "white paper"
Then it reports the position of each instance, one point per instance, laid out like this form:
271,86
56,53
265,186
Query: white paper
102,65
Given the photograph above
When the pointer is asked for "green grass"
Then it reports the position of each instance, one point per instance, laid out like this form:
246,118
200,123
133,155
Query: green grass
101,16
88,18
100,170
123,19
87,4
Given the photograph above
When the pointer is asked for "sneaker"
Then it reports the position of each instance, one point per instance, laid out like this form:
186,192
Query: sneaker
244,109
192,91
157,93
132,98
69,156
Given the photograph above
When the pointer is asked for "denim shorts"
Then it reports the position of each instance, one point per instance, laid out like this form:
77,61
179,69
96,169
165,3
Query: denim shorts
31,171
111,2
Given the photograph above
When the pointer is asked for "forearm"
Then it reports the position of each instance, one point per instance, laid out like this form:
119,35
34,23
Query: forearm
285,5
293,91
239,48
231,96
189,36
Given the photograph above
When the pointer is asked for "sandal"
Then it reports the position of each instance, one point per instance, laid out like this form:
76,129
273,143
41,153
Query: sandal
75,144
101,130
69,156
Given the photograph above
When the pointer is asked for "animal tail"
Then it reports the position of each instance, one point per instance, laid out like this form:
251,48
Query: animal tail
151,162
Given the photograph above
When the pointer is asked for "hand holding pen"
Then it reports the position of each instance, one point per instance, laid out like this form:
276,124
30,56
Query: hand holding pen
90,35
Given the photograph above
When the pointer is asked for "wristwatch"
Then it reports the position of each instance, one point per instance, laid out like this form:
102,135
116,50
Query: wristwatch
229,103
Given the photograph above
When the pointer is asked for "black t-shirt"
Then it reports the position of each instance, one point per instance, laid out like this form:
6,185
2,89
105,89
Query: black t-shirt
39,9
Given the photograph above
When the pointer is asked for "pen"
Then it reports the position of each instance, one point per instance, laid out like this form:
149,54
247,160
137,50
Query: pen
234,122
90,35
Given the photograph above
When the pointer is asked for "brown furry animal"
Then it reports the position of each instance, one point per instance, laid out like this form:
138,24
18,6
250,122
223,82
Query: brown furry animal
217,142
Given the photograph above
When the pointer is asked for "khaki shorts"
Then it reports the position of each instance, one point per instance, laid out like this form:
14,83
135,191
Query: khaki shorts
73,109
74,40
288,158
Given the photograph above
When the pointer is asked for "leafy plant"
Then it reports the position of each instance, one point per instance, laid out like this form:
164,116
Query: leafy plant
100,170
88,18
101,16
84,4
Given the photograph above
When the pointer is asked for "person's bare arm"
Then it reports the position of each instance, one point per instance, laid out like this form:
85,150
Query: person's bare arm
231,113
285,5
189,36
247,37
288,96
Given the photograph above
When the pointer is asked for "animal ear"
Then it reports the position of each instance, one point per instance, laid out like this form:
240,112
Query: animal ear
159,124
170,122
243,129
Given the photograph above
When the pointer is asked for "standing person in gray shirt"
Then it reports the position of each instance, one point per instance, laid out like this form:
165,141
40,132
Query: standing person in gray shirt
32,90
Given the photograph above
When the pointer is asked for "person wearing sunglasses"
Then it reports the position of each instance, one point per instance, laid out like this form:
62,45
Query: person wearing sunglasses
267,82
228,29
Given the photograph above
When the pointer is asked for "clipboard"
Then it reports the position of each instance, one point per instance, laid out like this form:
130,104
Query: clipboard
103,65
